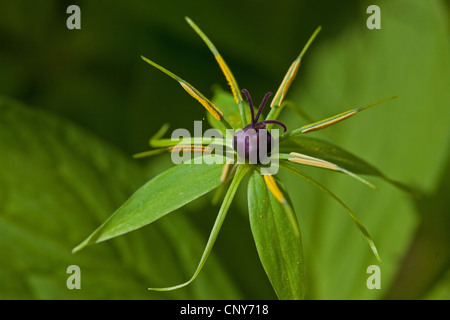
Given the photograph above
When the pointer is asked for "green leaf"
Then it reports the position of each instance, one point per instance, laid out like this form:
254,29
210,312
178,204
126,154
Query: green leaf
241,171
279,248
161,195
58,183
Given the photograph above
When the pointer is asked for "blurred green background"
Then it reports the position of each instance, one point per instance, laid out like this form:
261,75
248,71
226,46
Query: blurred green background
76,104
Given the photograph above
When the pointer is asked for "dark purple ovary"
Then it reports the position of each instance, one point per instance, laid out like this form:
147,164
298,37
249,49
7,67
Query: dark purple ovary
254,142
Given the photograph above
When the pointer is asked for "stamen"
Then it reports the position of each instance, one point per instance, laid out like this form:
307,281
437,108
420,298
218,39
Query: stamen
189,148
225,170
272,185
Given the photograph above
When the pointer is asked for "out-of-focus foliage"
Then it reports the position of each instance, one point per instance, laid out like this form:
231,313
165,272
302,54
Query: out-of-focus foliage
58,183
408,139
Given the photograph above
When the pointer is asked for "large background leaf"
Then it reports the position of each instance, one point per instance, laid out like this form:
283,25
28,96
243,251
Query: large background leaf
407,139
57,184
92,78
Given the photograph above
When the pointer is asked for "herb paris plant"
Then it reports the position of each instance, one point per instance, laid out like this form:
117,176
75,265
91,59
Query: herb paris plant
272,218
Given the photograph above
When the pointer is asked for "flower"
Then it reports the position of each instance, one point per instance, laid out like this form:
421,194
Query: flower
274,224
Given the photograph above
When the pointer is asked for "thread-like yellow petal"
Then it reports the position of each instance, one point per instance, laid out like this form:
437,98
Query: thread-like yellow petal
316,162
230,78
304,159
189,147
215,111
291,73
285,84
338,118
226,71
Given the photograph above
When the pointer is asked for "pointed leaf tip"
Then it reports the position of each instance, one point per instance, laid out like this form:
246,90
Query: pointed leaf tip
161,195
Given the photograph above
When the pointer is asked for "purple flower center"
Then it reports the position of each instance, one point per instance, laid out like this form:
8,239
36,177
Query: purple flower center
254,142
